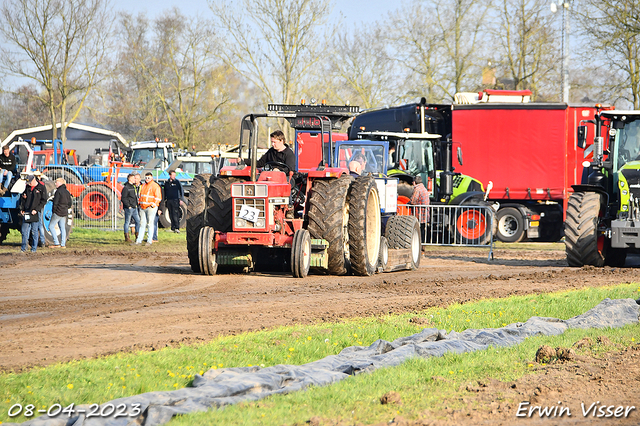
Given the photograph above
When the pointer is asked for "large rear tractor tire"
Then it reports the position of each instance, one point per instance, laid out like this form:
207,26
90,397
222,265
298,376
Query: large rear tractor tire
206,256
329,219
301,253
403,232
364,225
510,225
68,175
219,203
97,202
195,217
584,244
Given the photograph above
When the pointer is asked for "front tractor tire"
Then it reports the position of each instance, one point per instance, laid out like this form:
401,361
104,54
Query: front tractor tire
329,219
584,244
206,256
364,226
195,217
301,254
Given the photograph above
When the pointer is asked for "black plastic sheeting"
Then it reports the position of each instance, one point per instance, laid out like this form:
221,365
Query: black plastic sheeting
217,388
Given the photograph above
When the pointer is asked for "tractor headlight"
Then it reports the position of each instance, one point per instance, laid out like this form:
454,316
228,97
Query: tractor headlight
261,190
625,208
260,223
624,191
240,223
621,184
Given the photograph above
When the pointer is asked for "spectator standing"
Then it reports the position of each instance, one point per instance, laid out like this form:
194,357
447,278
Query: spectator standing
43,188
137,184
7,167
150,197
174,196
129,198
419,198
31,204
61,206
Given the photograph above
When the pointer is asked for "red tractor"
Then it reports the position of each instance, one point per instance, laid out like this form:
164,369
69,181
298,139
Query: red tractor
317,216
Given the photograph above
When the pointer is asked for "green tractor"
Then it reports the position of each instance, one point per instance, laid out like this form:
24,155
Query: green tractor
603,213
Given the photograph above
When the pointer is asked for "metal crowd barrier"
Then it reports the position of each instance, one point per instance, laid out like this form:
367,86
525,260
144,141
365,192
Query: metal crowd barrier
457,226
96,199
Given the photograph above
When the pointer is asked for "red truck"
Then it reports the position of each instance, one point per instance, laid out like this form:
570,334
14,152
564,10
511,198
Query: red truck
530,153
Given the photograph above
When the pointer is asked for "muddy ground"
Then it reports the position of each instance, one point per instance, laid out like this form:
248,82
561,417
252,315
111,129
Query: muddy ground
62,305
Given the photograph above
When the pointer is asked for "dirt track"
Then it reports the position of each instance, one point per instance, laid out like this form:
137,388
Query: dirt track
75,304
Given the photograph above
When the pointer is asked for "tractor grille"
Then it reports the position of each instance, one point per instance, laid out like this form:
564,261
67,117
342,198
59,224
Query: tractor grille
633,179
457,180
249,221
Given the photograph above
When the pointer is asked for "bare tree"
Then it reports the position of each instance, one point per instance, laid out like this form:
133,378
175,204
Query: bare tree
60,45
613,30
361,69
528,48
462,26
272,42
417,45
170,82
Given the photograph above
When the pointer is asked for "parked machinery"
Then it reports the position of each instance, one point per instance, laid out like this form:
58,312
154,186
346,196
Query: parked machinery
603,214
317,216
10,202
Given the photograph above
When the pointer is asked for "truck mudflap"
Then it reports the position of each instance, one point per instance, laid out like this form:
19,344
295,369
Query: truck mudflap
624,234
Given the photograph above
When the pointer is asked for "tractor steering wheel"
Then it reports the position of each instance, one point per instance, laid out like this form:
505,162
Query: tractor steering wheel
272,165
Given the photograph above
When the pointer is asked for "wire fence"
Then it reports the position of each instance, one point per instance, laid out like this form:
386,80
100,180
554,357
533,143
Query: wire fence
464,226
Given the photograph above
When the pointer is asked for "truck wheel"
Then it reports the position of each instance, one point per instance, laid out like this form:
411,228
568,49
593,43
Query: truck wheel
301,253
329,219
96,202
218,214
383,257
165,217
403,232
510,225
207,257
584,244
195,217
473,226
364,225
47,213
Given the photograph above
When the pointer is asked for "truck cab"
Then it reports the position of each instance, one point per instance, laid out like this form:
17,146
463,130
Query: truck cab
145,151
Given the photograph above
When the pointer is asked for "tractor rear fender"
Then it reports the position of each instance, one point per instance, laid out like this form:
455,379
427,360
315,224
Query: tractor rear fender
467,197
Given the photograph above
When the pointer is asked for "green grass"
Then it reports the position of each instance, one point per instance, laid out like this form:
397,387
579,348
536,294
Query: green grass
105,240
103,379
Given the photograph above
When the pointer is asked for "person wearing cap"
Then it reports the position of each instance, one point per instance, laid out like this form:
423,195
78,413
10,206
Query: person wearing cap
7,166
60,211
150,197
31,204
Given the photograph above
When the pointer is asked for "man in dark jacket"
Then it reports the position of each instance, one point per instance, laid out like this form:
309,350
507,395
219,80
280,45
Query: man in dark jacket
129,198
32,202
7,167
61,206
174,194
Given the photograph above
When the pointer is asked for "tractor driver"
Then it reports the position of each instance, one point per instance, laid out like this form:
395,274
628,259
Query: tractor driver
357,164
279,152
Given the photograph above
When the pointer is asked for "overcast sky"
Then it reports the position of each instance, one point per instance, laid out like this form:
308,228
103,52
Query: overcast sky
353,10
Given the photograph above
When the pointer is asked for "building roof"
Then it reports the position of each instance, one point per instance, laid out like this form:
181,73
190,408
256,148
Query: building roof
74,126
